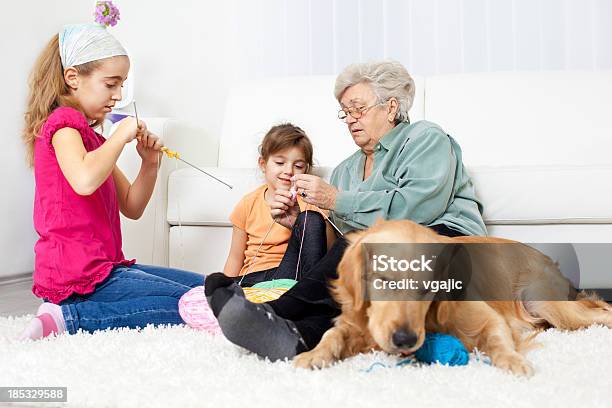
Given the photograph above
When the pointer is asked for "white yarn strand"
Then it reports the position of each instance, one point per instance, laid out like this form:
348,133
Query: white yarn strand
254,257
180,225
156,204
297,267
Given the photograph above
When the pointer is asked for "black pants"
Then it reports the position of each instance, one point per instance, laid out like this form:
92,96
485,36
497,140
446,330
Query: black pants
313,249
309,304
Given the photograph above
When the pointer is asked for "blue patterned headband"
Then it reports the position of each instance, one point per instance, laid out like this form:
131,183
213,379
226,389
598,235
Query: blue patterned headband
81,43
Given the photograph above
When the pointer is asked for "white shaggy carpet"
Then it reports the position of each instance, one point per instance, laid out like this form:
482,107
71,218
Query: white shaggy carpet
180,367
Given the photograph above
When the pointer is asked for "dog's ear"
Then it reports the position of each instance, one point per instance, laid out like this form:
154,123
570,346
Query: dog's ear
379,221
348,288
354,236
442,312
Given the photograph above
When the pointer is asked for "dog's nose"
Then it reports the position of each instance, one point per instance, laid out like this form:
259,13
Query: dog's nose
404,339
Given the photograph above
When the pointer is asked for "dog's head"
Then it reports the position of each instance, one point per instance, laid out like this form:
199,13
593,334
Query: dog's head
395,326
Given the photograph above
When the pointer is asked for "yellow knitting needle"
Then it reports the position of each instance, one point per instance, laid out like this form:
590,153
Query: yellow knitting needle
175,155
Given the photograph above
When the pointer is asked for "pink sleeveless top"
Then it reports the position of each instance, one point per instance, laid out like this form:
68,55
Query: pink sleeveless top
79,236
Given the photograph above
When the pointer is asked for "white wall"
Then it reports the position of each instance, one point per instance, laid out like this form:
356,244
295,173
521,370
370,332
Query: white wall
187,53
25,29
184,55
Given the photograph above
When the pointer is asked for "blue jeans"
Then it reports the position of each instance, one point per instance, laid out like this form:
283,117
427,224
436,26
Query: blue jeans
130,297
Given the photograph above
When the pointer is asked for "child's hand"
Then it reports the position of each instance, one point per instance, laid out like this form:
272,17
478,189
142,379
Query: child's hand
128,130
148,146
142,130
284,209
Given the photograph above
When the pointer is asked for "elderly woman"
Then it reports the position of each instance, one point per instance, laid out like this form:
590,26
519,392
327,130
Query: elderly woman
401,171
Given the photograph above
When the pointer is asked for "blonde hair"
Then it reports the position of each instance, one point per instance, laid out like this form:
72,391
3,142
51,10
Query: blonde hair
388,79
48,90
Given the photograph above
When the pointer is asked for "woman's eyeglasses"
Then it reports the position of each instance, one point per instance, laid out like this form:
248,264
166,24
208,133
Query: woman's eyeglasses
356,113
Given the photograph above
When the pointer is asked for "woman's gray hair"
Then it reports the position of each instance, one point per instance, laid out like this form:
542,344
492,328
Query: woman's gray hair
389,79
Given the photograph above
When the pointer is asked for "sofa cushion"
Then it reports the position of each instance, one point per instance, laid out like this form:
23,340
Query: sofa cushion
525,118
522,195
544,194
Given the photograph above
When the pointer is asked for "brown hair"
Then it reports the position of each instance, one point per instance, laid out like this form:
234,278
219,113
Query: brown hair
284,136
48,90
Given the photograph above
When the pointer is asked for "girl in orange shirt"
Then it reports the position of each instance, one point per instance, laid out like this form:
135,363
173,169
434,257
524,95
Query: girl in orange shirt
262,247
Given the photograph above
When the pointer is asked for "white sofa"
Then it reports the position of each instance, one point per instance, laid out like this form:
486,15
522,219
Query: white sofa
537,145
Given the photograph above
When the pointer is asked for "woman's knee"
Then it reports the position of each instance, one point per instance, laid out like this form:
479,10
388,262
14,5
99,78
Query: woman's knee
313,219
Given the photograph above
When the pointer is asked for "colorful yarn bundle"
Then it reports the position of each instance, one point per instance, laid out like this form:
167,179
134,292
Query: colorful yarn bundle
268,290
195,311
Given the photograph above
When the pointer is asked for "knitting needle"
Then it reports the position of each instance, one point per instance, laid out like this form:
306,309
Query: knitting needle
208,174
333,225
135,114
175,155
294,195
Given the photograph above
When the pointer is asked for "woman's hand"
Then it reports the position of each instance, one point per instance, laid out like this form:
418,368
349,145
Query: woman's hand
284,209
314,190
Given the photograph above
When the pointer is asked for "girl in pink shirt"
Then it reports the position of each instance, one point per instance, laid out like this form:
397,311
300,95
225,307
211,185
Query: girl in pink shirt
80,270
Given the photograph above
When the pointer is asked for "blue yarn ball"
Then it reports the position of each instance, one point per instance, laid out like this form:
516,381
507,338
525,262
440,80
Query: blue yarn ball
443,349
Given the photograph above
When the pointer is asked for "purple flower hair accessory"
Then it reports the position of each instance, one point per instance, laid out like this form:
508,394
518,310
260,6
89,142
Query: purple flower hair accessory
106,13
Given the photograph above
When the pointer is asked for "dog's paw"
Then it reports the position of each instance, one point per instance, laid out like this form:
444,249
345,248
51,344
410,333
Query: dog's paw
313,359
515,363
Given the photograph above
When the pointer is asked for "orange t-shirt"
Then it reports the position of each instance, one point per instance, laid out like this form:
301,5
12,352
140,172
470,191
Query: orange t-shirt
252,215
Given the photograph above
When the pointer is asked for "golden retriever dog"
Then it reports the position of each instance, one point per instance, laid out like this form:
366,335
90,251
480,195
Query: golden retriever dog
504,330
